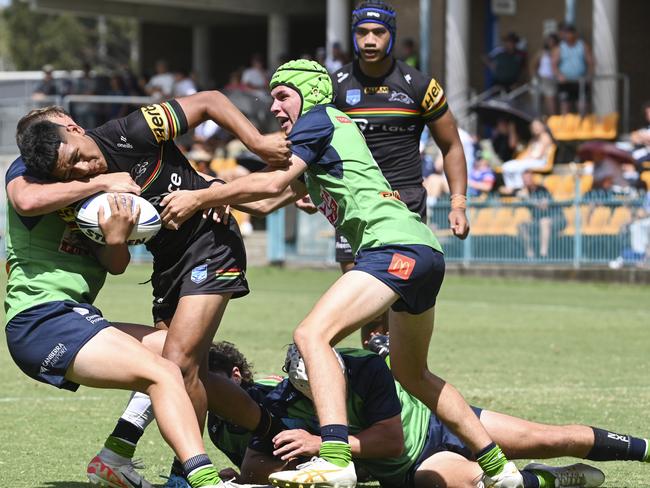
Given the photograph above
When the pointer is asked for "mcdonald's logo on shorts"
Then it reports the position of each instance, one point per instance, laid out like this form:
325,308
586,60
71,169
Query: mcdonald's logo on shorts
401,266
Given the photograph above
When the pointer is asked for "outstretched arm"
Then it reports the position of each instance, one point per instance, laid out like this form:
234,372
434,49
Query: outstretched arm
181,205
292,193
214,105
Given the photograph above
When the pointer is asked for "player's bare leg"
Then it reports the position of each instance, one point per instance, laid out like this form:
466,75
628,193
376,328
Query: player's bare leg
449,470
190,334
410,338
115,359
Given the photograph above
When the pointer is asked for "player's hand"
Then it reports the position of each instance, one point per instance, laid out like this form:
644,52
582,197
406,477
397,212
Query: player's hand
274,149
290,444
179,206
219,214
118,226
306,205
117,182
458,223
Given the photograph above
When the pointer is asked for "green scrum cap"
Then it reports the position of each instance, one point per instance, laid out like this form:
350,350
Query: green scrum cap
308,78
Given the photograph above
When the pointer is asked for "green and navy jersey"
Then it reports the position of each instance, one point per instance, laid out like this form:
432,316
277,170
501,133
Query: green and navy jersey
48,258
347,186
373,395
142,144
231,439
392,111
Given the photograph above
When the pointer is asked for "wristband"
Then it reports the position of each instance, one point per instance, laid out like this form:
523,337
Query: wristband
458,201
216,180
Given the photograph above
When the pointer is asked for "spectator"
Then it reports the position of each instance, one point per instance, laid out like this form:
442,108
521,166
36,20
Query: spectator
507,63
481,178
337,59
572,61
161,85
255,76
47,87
183,84
538,198
320,56
85,113
542,73
641,138
535,155
201,159
639,250
234,81
409,53
502,144
116,88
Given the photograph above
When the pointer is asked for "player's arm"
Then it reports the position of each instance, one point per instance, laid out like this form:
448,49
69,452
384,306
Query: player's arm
114,256
181,205
31,197
383,439
214,105
445,133
292,193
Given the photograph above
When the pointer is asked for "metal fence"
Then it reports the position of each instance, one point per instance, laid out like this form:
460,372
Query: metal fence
611,231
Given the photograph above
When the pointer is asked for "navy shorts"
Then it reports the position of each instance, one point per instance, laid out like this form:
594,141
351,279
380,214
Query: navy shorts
414,272
415,199
439,439
43,340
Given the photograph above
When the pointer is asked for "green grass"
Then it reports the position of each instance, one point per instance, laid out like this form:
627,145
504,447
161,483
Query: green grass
554,352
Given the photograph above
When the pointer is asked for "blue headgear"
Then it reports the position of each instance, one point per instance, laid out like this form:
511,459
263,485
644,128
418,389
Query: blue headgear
378,12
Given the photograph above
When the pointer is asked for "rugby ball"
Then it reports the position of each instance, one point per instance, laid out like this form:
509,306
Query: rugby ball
88,220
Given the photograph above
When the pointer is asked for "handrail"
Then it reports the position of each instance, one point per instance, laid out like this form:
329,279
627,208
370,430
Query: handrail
70,99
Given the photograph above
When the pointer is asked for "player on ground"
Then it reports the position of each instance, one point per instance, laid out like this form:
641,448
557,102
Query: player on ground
197,270
399,265
392,102
56,336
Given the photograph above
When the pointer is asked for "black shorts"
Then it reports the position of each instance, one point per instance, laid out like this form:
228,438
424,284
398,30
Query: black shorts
569,91
214,264
415,199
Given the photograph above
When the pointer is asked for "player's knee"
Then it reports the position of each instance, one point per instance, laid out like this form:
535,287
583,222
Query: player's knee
304,335
164,373
187,363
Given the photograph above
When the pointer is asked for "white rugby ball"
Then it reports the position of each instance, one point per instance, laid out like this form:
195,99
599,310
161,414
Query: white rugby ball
88,220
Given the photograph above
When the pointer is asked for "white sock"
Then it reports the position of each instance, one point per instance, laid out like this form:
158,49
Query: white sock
138,411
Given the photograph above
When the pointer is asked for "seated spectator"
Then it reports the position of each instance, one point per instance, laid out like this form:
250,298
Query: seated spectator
535,155
641,138
507,63
481,178
502,143
234,81
183,84
537,197
639,250
201,159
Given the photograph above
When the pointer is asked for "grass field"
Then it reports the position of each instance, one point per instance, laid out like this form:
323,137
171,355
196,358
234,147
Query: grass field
554,352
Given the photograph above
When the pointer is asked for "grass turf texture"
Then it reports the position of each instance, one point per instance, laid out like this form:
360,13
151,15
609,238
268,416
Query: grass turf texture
553,352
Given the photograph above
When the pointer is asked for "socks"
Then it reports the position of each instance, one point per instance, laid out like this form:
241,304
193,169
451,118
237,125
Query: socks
610,446
199,471
124,438
538,479
337,453
491,459
530,479
335,448
138,411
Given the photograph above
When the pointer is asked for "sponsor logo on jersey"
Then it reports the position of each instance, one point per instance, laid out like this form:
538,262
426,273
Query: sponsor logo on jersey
391,195
341,77
376,90
329,207
401,266
54,355
343,120
408,78
366,126
433,96
139,169
400,97
199,274
124,144
352,97
156,121
81,311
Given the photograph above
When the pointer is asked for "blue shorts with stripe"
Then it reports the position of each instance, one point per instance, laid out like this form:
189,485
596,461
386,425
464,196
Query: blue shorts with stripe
414,272
44,339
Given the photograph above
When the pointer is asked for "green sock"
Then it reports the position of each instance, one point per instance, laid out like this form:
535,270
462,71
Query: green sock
493,461
205,476
337,453
546,480
120,446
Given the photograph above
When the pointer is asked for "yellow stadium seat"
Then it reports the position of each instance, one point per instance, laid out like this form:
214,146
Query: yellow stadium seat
606,127
645,177
597,221
482,221
501,222
223,164
569,216
550,160
586,128
621,216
